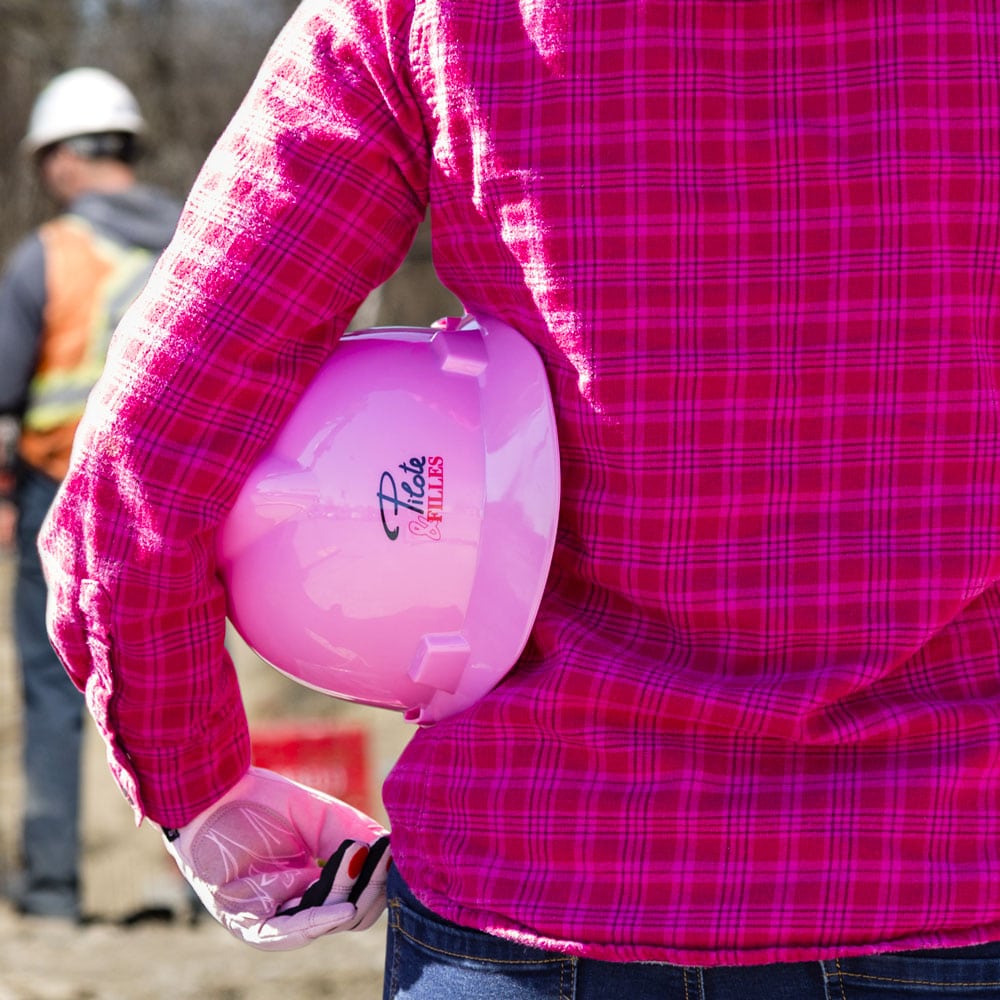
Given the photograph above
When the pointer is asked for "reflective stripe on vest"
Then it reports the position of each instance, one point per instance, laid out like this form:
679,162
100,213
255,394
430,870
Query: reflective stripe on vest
90,282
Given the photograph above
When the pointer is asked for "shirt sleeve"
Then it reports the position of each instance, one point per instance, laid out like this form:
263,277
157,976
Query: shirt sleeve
310,199
22,304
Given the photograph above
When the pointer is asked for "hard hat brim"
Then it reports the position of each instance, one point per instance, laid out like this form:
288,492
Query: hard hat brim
518,531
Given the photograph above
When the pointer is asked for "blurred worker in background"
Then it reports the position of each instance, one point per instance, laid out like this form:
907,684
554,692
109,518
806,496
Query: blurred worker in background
64,289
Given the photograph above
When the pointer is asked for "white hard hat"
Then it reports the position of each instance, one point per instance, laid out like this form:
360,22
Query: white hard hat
83,101
392,544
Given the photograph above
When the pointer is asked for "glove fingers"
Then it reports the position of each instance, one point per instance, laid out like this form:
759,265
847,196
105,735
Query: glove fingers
372,864
285,933
338,879
370,900
317,893
348,895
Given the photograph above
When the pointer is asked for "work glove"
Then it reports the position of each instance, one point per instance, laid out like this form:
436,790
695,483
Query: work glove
279,864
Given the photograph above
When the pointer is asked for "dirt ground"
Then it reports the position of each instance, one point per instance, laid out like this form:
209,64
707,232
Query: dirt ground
40,961
142,942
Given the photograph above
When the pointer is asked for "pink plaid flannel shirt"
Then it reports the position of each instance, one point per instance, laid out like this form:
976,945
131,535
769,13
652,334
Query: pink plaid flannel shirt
756,244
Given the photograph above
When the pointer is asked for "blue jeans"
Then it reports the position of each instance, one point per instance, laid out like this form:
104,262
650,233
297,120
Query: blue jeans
428,958
52,726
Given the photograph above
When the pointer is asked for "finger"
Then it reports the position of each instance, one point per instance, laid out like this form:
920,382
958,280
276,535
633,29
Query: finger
372,900
317,893
286,933
349,871
371,865
331,919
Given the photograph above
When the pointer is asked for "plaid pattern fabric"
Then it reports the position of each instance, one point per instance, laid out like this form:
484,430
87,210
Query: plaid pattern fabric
759,716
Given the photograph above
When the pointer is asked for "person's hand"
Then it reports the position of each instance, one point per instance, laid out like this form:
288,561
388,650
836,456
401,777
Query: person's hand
8,524
279,864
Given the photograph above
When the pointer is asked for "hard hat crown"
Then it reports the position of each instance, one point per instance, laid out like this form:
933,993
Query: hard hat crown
392,544
84,101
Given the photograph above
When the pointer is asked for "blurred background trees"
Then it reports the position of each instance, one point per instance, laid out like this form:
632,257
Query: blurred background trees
189,63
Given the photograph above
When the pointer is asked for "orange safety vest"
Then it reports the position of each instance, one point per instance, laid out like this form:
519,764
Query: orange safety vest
90,280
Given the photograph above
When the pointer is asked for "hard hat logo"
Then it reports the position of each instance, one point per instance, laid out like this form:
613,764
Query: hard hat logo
419,492
351,504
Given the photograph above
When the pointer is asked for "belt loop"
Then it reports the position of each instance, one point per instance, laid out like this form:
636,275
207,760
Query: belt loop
694,983
567,978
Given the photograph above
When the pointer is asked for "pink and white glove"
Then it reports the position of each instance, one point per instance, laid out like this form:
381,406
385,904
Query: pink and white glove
279,864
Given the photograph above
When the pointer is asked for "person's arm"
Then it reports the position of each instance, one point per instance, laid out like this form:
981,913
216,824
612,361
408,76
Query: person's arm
310,200
22,306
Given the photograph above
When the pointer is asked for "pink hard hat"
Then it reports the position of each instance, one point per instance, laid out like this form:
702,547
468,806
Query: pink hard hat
392,544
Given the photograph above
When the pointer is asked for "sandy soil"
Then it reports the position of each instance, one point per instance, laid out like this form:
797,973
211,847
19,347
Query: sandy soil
143,943
42,960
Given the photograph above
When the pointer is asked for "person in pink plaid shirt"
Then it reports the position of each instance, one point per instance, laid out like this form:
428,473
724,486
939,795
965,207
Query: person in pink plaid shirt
753,746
